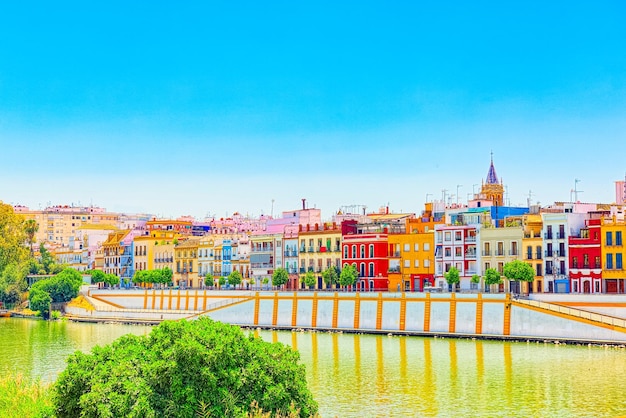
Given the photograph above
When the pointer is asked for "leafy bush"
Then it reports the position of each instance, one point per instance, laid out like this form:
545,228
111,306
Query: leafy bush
180,368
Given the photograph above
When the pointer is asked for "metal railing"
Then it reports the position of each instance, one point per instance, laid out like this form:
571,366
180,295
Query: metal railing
591,316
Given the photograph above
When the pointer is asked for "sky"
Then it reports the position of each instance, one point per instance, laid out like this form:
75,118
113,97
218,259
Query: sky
210,108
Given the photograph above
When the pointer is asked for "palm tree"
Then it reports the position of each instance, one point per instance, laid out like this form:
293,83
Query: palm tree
31,227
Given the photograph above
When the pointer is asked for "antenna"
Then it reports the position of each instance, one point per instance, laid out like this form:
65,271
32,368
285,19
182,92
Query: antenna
457,192
576,191
428,194
443,195
272,211
530,195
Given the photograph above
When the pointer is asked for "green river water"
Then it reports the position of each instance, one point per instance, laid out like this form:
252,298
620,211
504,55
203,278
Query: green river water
367,375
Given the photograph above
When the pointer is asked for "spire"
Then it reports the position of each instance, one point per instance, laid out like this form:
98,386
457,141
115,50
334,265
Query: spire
492,177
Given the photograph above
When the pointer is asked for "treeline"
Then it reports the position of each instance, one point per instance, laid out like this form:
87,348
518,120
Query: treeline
62,287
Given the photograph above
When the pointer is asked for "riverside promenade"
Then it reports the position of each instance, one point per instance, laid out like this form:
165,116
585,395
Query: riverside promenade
566,318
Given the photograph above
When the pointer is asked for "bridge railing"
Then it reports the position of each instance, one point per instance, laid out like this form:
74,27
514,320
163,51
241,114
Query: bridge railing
592,316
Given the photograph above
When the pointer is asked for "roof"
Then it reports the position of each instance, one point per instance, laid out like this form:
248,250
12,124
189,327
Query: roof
492,177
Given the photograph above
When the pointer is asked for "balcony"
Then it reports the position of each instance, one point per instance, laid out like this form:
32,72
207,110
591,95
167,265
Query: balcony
529,256
538,255
395,254
547,235
310,249
394,270
303,249
549,253
499,253
470,239
470,254
487,253
513,252
560,235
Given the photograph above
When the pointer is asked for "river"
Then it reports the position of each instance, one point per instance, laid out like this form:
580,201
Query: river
369,375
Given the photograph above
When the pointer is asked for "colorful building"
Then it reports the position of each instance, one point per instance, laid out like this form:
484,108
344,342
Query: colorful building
320,248
366,246
613,231
532,249
585,255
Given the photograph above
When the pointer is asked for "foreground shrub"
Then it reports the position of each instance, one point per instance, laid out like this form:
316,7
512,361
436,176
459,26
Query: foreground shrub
20,398
183,367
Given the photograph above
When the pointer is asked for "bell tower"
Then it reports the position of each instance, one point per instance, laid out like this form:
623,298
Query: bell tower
491,188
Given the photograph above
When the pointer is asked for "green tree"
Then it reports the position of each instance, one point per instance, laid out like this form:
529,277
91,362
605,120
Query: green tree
309,279
348,276
97,276
234,278
492,278
180,367
140,277
40,301
519,271
476,280
111,279
12,238
452,277
166,275
330,276
280,277
31,227
222,281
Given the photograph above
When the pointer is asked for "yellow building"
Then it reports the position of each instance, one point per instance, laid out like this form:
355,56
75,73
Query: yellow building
500,246
532,245
411,253
320,248
186,263
155,251
59,224
113,251
613,231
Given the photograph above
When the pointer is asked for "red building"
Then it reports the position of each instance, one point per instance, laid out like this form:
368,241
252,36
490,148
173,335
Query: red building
585,255
365,246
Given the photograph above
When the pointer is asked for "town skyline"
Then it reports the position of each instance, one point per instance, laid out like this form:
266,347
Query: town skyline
211,109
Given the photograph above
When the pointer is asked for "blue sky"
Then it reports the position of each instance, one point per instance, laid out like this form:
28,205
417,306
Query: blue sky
216,107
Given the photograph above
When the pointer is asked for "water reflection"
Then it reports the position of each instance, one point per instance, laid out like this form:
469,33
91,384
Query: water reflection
365,375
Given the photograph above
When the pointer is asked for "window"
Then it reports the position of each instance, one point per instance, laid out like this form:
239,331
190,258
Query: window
500,267
457,251
407,247
597,262
448,252
618,238
448,236
427,263
362,251
562,266
371,269
425,228
618,261
574,262
539,268
426,246
487,250
457,236
585,261
362,269
354,251
487,265
514,248
345,251
416,263
500,248
416,247
529,253
371,250
609,238
407,263
609,260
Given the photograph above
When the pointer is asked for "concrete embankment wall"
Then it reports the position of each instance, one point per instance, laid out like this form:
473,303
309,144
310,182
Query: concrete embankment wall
487,315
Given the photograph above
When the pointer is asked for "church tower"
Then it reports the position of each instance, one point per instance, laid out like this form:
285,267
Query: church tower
491,188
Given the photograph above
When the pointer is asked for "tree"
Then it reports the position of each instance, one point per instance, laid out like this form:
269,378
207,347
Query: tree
519,271
31,227
309,279
492,277
475,279
222,281
167,275
234,278
140,277
97,276
330,276
180,368
111,279
12,237
452,277
348,276
280,277
40,300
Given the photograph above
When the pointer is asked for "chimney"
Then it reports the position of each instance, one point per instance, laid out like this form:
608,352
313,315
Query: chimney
303,204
